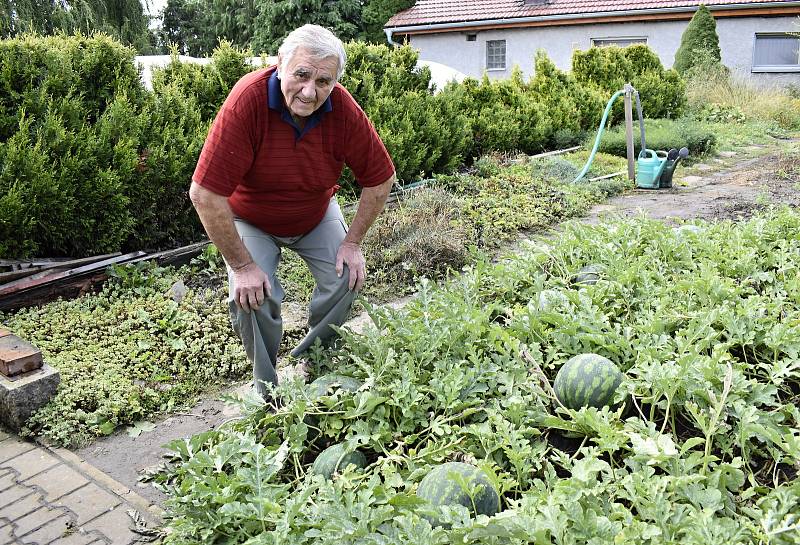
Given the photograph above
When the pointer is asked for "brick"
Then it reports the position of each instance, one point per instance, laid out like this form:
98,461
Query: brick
13,494
22,507
88,502
32,463
58,481
37,519
115,526
54,530
18,356
11,449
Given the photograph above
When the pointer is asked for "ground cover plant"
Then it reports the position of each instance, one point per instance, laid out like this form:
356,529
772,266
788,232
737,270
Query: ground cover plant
700,446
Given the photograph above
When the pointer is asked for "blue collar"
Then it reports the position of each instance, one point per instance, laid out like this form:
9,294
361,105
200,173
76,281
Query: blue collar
275,100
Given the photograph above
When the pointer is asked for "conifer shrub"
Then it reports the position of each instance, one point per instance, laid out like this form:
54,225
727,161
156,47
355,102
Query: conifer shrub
698,41
608,69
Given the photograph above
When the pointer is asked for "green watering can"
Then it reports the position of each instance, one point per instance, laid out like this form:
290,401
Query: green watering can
649,167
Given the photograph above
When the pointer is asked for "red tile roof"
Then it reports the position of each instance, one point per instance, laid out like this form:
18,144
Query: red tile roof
426,12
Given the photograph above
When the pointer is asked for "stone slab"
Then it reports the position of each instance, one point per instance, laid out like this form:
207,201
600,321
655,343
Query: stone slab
54,530
20,398
18,356
37,519
115,526
58,481
88,502
11,448
32,463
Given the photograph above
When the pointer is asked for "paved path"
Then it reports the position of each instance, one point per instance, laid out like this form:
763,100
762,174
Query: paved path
50,495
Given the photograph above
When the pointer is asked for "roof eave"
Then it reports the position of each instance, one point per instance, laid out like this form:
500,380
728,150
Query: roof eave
454,25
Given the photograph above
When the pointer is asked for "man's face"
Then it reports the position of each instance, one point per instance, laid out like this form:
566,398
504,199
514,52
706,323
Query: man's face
306,82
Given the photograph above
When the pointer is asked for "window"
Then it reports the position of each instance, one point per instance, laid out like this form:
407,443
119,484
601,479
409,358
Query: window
472,37
776,53
620,42
496,55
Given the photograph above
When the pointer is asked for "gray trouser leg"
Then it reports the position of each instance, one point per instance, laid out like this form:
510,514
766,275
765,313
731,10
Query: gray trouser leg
259,330
331,300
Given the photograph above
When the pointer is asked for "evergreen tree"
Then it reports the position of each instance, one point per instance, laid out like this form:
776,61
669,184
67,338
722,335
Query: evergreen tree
699,42
375,15
276,18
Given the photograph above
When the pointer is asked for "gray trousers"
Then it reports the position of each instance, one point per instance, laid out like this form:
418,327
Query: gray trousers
261,330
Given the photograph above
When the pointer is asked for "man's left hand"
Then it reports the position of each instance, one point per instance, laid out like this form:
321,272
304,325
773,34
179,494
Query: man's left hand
350,254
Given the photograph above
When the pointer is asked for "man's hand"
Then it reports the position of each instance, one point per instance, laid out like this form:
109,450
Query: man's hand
252,286
350,254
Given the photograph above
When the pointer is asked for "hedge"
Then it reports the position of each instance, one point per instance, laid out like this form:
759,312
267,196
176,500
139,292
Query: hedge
92,162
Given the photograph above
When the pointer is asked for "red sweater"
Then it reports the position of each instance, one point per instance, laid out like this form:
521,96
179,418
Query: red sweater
275,178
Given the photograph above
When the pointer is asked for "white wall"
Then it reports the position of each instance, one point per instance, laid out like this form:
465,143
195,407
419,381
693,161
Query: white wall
736,42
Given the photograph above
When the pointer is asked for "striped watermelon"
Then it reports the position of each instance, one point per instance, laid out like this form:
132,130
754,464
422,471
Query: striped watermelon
328,384
587,380
335,458
588,275
439,488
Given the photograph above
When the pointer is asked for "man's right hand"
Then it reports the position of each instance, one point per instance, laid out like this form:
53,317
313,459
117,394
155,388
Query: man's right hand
252,287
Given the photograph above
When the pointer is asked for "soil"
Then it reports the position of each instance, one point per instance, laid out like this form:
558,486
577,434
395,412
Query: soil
732,186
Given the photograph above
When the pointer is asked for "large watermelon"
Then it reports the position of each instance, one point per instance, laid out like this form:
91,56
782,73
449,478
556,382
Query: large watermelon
587,380
327,384
335,458
440,488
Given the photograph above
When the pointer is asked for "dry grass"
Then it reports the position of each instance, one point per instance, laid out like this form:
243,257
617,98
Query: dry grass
765,103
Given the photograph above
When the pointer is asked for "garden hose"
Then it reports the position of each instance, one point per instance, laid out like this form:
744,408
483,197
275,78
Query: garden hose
602,127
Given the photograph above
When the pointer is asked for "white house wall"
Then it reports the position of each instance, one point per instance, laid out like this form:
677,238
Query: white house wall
736,42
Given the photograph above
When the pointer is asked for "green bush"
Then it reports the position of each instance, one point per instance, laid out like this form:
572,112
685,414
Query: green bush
663,134
608,69
700,36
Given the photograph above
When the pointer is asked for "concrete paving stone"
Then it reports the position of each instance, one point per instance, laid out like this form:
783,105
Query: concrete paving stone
88,502
14,494
3,435
22,507
12,448
8,479
77,537
57,481
115,526
38,519
7,534
52,531
32,463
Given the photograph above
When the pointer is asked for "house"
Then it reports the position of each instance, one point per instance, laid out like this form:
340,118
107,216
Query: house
759,40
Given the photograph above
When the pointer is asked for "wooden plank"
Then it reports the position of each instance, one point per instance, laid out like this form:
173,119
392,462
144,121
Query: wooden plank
556,152
177,256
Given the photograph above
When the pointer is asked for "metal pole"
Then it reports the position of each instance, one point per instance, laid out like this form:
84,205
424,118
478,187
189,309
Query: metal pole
629,132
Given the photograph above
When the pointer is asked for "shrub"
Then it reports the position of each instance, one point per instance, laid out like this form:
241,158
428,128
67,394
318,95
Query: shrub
700,35
607,69
662,134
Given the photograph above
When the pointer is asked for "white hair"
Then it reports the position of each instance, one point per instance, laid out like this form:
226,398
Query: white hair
318,41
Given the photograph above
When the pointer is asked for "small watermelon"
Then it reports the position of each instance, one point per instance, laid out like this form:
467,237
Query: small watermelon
335,458
587,380
551,299
440,488
327,384
588,275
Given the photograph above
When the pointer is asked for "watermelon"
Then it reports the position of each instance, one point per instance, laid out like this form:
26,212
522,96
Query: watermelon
551,299
439,487
587,380
328,384
335,458
588,275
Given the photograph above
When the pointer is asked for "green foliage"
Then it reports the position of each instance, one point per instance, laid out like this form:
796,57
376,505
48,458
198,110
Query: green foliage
127,352
125,20
277,18
663,134
700,321
376,13
195,27
699,40
608,69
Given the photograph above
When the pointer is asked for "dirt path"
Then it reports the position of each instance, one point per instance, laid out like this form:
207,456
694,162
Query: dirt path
732,186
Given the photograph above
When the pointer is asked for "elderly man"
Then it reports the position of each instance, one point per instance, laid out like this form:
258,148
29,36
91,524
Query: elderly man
266,179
